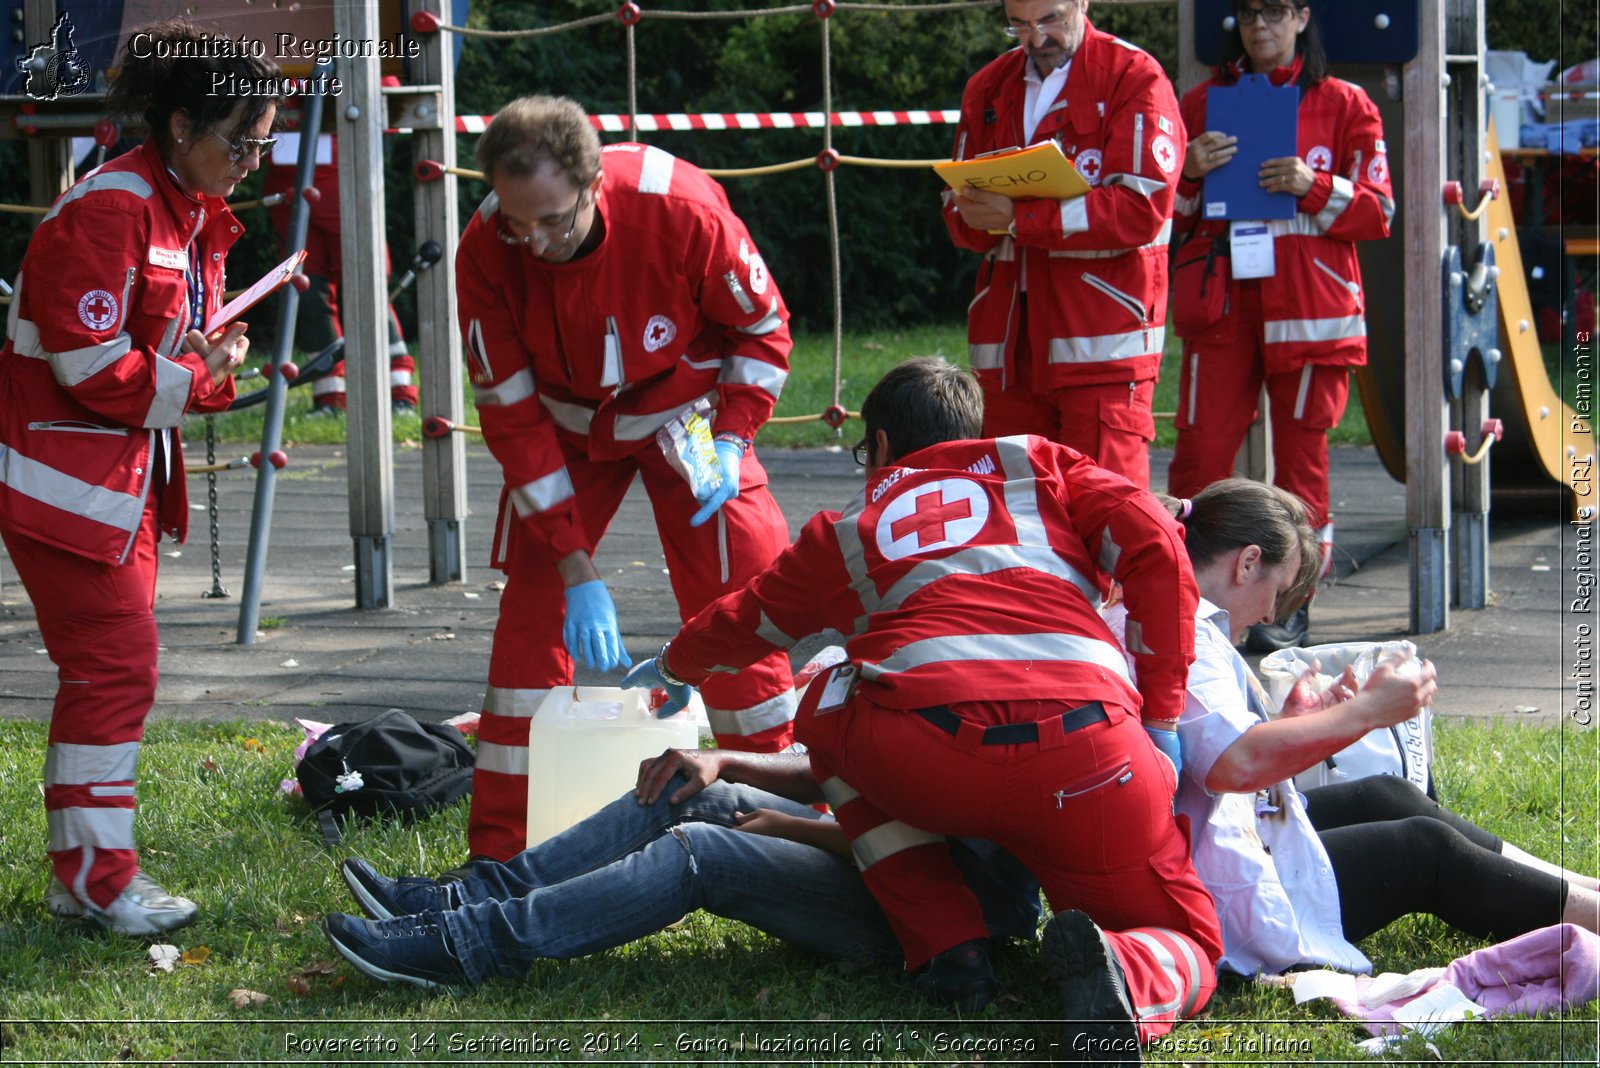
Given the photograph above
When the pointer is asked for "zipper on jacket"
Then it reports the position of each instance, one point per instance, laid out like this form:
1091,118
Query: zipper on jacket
1135,308
78,427
1353,289
1138,141
611,371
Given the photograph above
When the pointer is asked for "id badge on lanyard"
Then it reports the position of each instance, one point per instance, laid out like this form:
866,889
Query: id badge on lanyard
1250,244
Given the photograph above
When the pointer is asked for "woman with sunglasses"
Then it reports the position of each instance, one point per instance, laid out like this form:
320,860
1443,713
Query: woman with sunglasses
1297,322
104,355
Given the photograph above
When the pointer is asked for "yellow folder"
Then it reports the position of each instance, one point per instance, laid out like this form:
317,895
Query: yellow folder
1036,171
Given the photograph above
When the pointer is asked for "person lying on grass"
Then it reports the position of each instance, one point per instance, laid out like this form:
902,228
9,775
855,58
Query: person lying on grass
1299,877
729,832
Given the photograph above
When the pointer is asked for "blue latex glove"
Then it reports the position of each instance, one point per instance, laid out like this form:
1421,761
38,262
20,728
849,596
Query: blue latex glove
590,629
645,673
1166,742
729,454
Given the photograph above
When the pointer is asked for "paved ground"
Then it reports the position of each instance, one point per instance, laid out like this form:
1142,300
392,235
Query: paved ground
319,656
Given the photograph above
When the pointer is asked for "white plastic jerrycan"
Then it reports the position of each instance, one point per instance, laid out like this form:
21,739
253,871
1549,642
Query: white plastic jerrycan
584,748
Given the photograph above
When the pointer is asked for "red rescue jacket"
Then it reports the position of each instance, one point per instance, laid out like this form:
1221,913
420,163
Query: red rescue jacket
91,371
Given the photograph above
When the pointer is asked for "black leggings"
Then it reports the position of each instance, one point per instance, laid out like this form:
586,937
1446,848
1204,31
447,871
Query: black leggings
1395,852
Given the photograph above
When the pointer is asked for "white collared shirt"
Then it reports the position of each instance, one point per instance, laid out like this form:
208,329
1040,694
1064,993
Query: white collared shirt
1268,872
1041,96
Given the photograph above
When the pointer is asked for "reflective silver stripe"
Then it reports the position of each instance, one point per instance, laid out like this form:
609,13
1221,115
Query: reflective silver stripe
852,554
542,494
1387,204
14,314
888,839
766,324
1301,225
1343,192
1106,347
1162,239
986,356
98,828
749,371
1194,384
72,764
1145,187
75,367
173,383
502,759
1138,142
399,378
702,365
1133,638
1285,331
736,290
768,631
978,647
983,560
1110,551
773,712
33,479
1305,388
398,348
573,417
655,173
24,335
1347,284
489,206
1187,980
837,792
326,385
117,181
111,791
1022,499
519,387
1074,216
168,345
645,424
517,704
1182,205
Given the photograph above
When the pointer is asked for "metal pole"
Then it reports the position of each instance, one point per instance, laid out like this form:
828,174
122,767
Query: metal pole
277,385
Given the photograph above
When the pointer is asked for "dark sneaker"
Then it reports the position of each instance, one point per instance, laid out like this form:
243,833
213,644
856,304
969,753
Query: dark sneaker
1097,1017
1292,633
402,407
325,411
143,908
460,872
960,976
382,898
407,949
61,902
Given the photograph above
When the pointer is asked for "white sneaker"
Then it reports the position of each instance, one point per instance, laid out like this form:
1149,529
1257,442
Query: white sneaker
61,902
143,908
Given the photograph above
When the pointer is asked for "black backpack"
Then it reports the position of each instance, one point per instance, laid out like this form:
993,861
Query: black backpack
405,768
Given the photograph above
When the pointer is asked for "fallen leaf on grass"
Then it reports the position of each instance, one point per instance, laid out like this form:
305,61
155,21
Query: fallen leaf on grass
240,998
321,967
297,986
196,956
163,957
210,766
254,745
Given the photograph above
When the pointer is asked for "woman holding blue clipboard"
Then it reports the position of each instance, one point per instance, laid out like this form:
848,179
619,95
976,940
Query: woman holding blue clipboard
1275,300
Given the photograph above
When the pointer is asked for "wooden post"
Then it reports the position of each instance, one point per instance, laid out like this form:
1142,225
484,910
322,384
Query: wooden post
444,462
364,304
1427,473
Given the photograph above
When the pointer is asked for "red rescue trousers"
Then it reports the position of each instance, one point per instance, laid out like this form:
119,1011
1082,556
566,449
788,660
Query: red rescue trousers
752,710
1089,812
1218,395
99,626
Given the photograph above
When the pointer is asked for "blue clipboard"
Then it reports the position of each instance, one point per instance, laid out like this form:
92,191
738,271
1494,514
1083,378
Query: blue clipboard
1265,119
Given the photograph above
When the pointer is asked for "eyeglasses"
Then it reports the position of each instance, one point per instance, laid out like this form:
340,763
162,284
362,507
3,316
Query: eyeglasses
541,231
245,146
1271,14
860,452
1054,22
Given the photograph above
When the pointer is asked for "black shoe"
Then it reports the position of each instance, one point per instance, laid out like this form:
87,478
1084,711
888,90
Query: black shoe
383,899
1291,633
402,407
960,976
325,411
407,949
460,872
1097,1017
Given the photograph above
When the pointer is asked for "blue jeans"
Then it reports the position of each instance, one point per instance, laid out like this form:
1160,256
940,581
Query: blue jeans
631,870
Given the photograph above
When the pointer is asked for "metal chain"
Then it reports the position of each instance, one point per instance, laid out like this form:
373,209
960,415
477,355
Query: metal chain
217,590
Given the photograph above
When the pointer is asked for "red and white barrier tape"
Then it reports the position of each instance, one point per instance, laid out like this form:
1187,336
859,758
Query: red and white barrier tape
745,120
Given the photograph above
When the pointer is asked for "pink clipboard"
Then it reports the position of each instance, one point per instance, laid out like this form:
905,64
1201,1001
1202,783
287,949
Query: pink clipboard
263,288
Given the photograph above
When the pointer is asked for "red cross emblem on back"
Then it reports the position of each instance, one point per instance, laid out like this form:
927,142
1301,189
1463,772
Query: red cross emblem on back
929,520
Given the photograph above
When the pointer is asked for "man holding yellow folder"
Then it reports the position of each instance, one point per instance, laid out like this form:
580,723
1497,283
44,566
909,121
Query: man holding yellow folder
1066,331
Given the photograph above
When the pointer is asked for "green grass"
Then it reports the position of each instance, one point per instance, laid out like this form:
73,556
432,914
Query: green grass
214,825
865,356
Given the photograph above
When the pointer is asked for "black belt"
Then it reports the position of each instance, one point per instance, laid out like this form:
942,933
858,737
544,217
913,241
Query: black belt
1016,733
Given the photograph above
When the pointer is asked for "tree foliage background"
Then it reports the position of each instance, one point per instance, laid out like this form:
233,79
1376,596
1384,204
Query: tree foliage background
897,263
